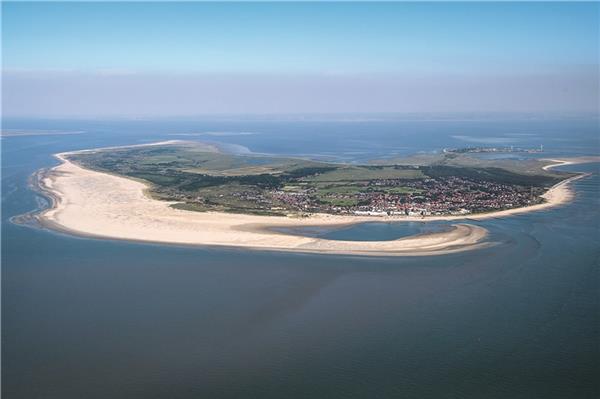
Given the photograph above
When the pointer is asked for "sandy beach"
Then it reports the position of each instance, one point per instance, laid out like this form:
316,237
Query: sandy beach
95,204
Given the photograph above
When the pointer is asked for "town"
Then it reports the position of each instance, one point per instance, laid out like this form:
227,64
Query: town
477,150
396,197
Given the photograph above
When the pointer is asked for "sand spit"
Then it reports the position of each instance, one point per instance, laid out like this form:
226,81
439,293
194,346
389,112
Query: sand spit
569,161
95,204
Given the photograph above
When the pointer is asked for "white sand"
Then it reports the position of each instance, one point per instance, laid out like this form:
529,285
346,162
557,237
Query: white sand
98,204
569,161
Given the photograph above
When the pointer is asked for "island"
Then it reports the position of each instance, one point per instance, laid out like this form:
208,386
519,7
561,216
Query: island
484,150
191,193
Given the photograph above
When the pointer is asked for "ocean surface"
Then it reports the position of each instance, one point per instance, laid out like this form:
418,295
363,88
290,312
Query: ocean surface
89,318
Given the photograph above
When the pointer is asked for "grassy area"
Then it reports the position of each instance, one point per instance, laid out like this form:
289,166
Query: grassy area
340,189
339,201
295,187
402,190
366,173
244,211
191,158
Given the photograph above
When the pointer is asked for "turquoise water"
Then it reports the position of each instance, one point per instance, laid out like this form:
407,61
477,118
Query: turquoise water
86,318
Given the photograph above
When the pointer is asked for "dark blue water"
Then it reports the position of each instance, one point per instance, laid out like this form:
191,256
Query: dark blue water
85,318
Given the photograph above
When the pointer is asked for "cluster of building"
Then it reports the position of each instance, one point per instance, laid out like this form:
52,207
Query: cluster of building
439,196
475,150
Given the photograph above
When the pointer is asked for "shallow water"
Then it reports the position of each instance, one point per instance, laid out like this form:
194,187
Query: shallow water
85,318
369,231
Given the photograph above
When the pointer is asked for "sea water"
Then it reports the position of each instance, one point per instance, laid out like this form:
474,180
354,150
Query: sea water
90,318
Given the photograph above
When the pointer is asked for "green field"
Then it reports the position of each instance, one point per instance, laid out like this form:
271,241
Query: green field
366,173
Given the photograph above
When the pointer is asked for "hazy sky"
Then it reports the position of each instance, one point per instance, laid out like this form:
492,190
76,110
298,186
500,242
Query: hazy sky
161,59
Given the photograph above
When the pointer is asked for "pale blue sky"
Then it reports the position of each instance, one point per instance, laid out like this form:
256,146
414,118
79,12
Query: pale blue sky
385,53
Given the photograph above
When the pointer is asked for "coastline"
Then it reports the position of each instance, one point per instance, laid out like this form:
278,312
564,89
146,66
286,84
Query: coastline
101,205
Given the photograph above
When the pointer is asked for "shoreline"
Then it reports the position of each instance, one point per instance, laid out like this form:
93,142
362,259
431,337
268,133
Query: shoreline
101,205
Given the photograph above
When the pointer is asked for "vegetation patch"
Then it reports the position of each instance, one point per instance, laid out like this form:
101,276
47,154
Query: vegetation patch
200,179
